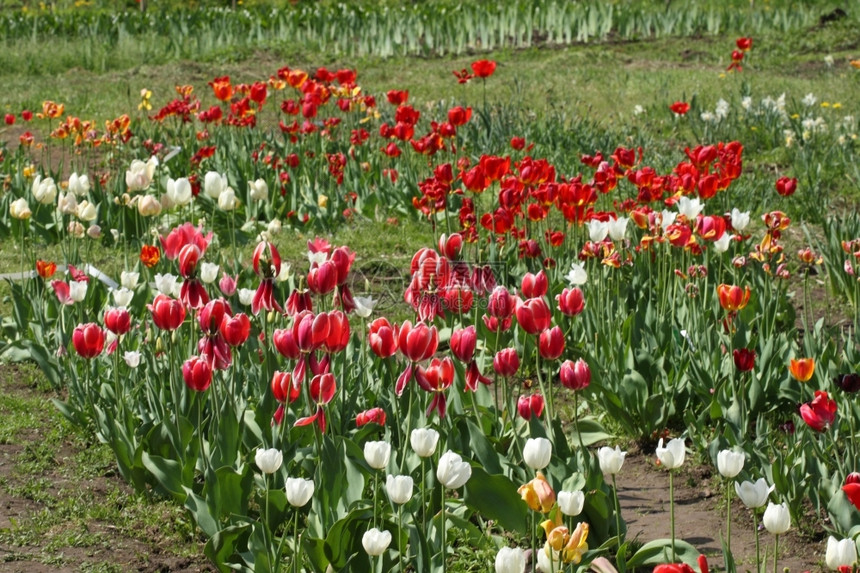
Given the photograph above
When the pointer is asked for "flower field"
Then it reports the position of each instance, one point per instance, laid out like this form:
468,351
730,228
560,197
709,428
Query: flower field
354,316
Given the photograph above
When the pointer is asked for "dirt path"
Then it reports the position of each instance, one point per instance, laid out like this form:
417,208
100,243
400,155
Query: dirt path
700,517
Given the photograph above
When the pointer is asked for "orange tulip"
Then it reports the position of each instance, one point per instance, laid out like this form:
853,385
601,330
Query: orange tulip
733,298
46,269
802,369
538,494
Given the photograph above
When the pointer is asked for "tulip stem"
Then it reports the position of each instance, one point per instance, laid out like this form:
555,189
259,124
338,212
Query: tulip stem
775,551
399,536
757,549
296,554
617,510
729,516
375,490
444,547
672,510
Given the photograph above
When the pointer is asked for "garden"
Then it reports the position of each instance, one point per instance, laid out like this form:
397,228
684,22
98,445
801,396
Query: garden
431,287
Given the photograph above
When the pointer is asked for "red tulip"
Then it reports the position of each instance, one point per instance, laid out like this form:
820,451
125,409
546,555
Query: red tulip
222,88
820,413
149,255
183,235
436,378
236,329
267,267
285,343
450,246
483,68
534,286
710,227
744,44
680,107
322,278
502,303
849,383
744,359
528,406
575,375
227,284
458,299
167,313
419,342
852,492
193,294
506,362
533,315
26,115
310,331
338,334
551,343
283,388
374,415
189,256
463,342
786,186
118,320
382,338
571,301
322,390
197,373
397,97
212,315
297,302
459,115
88,340
733,298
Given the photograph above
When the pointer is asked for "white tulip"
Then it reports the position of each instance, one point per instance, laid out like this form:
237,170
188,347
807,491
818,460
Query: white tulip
667,218
67,204
730,463
76,229
299,491
618,228
246,295
208,272
537,453
148,206
179,191
78,290
132,358
165,283
753,495
840,553
227,200
79,184
510,560
610,460
690,208
138,177
20,209
776,518
740,220
122,297
375,542
571,502
721,245
94,231
597,230
269,461
86,211
423,441
547,563
364,306
577,275
258,190
128,279
274,227
399,488
286,272
214,184
376,454
44,190
453,472
672,455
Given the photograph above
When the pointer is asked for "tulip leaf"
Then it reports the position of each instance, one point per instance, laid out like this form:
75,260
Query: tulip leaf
660,551
168,473
222,548
201,513
479,445
344,538
496,497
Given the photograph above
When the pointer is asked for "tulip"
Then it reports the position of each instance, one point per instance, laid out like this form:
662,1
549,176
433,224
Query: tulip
534,286
165,283
258,190
214,184
538,494
502,303
733,298
533,315
179,191
208,272
820,413
506,362
777,519
235,329
730,463
20,209
618,228
374,415
399,488
452,471
571,502
786,186
551,343
740,220
671,456
44,190
269,461
571,301
227,284
744,359
88,340
375,542
45,269
450,246
299,491
575,375
86,211
510,560
753,495
197,373
610,460
424,441
364,306
528,406
167,313
848,382
139,175
117,320
483,68
851,488
246,296
802,369
577,275
840,553
132,358
376,454
77,290
129,279
67,204
537,453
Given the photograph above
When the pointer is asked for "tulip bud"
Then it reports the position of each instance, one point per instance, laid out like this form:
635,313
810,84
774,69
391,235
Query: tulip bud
375,542
672,455
399,488
376,454
730,463
571,502
776,518
299,491
575,375
537,453
610,460
424,441
269,461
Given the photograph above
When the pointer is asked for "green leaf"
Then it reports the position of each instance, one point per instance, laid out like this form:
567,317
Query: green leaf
168,473
660,551
495,497
222,549
480,446
344,538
